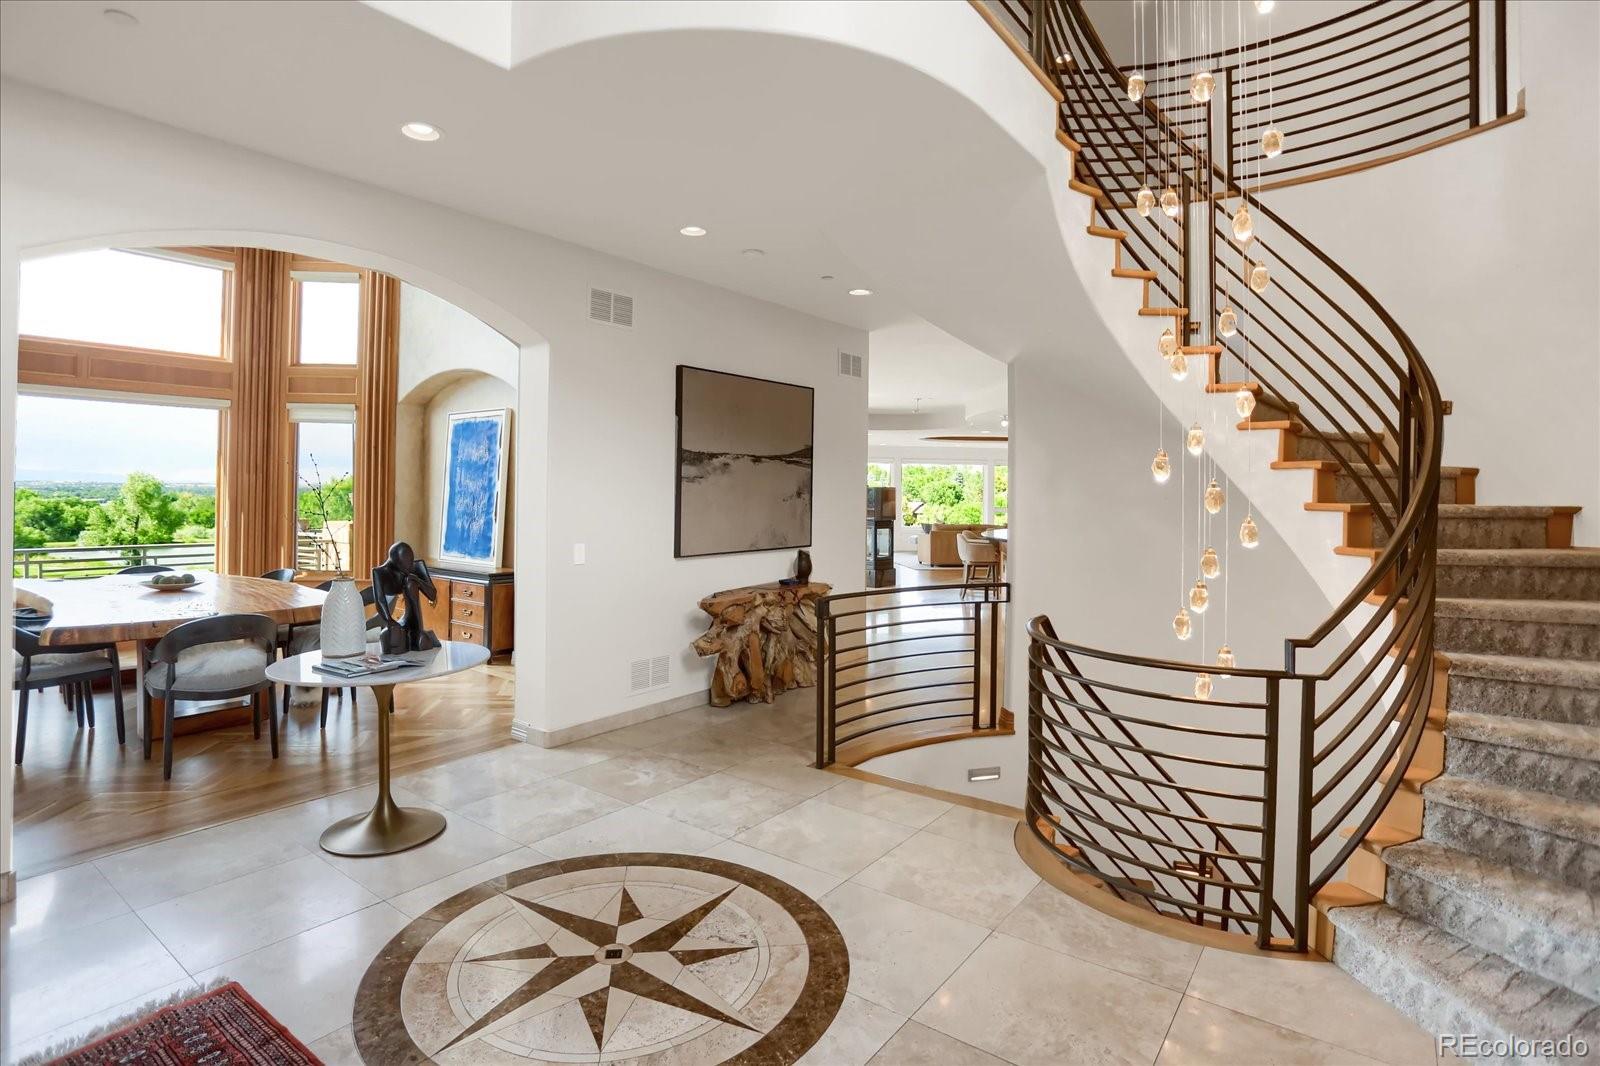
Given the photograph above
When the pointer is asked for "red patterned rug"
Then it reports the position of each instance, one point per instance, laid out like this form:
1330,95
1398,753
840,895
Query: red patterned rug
223,1027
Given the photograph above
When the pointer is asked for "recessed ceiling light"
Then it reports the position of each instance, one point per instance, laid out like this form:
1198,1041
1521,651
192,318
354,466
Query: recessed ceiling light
753,253
421,131
693,231
860,292
118,17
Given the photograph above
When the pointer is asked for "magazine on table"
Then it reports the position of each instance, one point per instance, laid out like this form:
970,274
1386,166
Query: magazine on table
361,665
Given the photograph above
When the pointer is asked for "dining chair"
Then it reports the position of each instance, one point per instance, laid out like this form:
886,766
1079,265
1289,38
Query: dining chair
146,568
307,636
283,573
978,555
75,668
217,658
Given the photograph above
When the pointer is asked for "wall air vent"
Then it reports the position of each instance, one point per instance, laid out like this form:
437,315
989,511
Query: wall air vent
849,365
612,308
646,674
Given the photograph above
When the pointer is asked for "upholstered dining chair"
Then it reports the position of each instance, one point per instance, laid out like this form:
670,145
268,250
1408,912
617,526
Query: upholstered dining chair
307,636
146,568
218,658
980,559
74,668
283,573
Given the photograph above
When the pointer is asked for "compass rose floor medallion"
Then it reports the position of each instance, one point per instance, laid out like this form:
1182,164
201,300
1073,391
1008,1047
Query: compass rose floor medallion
637,958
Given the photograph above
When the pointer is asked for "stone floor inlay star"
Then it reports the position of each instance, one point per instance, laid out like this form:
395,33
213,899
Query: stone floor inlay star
636,957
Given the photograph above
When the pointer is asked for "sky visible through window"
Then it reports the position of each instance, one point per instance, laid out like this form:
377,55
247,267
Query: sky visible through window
60,439
330,319
112,297
333,445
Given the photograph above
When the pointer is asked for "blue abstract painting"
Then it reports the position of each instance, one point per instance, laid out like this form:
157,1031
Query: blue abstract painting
474,488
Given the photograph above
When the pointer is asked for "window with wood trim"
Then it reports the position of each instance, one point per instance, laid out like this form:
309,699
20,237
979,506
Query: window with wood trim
156,300
327,302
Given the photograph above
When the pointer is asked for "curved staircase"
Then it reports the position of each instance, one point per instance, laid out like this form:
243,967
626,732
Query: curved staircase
1470,857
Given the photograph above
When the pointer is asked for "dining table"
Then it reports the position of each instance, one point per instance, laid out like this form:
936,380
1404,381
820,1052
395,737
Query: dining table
120,608
1000,537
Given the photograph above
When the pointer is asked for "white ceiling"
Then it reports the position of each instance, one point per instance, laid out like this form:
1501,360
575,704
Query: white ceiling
614,144
917,366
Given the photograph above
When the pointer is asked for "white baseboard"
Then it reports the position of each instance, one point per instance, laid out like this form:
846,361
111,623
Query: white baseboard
555,738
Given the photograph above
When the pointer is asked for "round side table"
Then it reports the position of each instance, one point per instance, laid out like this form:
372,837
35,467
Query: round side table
388,827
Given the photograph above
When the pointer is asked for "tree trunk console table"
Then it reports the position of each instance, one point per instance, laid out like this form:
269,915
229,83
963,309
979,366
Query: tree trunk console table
764,638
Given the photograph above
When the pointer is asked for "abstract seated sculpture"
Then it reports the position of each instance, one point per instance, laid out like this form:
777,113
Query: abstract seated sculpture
405,576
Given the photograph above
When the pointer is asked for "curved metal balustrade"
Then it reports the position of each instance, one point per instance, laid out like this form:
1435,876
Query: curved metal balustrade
898,667
1234,811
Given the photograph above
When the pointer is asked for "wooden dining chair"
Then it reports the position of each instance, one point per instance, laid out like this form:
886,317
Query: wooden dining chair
74,668
217,658
146,568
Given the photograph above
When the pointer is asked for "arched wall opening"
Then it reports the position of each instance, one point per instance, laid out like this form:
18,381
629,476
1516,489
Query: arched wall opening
452,357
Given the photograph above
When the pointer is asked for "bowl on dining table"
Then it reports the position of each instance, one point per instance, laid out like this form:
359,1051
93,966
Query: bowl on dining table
173,582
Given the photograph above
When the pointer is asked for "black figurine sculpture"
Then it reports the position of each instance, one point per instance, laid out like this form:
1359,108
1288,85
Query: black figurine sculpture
403,575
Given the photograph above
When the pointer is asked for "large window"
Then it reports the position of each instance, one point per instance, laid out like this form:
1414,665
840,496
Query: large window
941,494
330,318
131,299
880,475
1002,490
324,492
95,487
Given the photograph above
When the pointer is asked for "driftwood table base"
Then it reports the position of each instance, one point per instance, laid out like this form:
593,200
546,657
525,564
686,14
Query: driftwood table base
764,638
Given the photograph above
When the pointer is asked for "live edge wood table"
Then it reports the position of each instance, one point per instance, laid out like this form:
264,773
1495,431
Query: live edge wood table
110,610
388,827
764,638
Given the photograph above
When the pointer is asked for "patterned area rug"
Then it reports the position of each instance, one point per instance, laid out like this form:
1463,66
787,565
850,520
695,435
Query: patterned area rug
223,1027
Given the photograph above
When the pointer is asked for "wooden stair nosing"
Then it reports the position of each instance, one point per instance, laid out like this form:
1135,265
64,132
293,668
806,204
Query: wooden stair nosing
1164,312
1131,272
1107,232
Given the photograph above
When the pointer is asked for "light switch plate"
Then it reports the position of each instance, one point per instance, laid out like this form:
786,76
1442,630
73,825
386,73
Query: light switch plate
580,554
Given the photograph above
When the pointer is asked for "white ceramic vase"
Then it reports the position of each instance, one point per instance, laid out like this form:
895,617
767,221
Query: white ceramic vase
344,621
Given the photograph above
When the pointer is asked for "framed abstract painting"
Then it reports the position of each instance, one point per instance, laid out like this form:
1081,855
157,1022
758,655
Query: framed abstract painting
473,510
744,464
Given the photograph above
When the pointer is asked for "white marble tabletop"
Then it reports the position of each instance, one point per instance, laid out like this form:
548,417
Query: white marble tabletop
452,657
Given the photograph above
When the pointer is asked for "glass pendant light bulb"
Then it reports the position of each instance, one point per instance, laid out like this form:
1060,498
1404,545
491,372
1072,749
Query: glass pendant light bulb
1210,564
1228,322
1161,467
1199,597
1244,226
1249,535
1182,627
1272,142
1202,85
1167,343
1195,439
1264,6
1244,401
1136,86
1225,658
1178,366
1145,201
1202,686
1258,277
1214,497
1170,205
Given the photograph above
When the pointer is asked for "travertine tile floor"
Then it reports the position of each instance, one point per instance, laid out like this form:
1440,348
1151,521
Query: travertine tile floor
958,953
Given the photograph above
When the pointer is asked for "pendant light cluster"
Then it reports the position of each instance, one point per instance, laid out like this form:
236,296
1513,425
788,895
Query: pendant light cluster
1230,321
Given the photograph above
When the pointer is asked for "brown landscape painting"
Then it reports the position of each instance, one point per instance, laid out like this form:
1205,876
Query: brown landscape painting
744,463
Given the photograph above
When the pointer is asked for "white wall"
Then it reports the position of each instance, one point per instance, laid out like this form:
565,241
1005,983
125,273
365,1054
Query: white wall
74,175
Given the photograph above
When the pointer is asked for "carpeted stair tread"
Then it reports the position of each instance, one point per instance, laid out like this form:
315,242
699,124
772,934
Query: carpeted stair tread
1528,670
1491,510
1555,815
1548,738
1448,985
1542,925
1564,558
1585,614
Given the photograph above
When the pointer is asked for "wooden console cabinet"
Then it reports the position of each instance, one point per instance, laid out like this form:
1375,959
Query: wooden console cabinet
476,608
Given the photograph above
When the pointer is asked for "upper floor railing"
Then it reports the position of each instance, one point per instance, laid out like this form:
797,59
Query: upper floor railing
1366,87
74,561
1233,806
